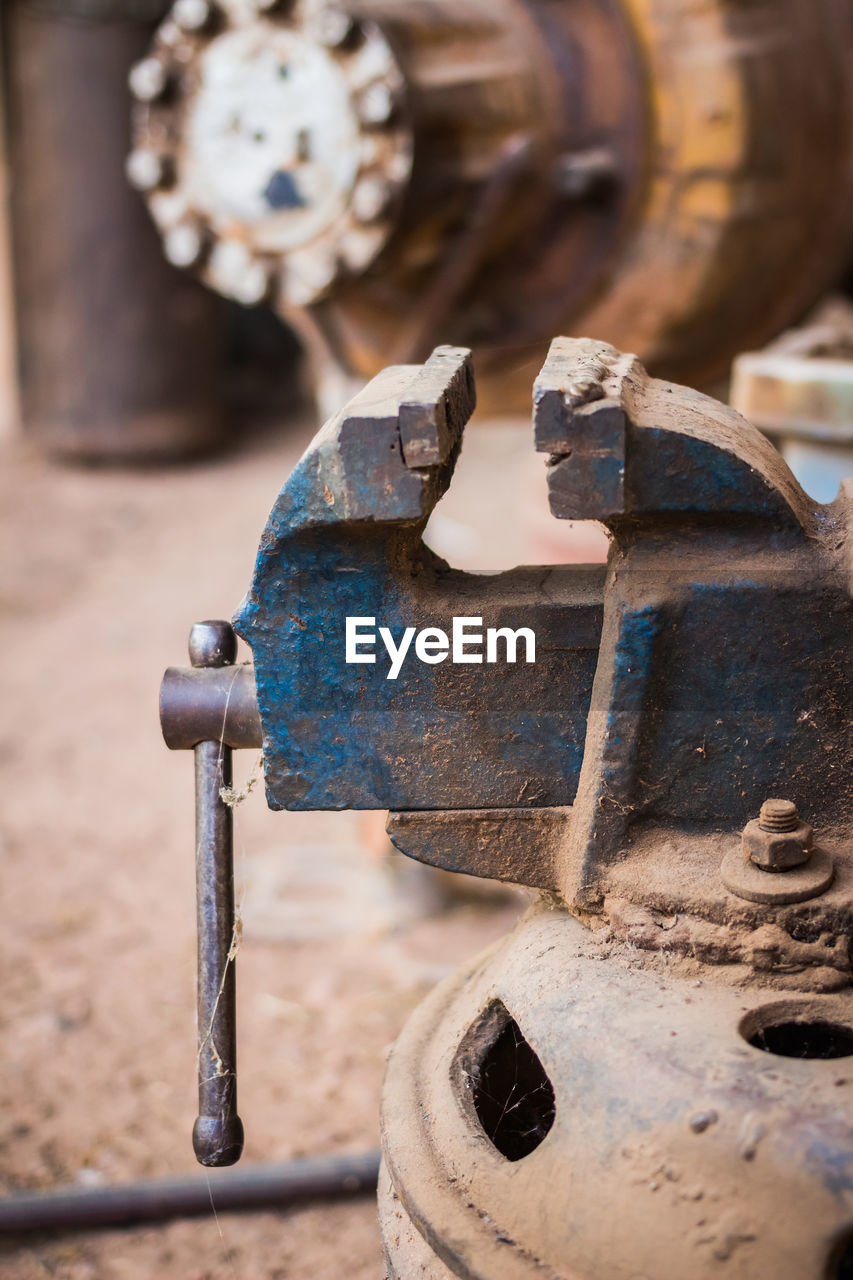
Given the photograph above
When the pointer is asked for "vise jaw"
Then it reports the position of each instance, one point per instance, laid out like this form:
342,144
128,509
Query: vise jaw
707,668
345,541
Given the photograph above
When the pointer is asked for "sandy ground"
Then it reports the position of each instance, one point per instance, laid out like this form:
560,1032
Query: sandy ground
102,575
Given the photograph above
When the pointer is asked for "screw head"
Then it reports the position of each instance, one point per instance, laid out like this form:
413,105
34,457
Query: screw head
182,245
332,27
145,169
253,285
376,104
148,80
212,644
191,15
369,199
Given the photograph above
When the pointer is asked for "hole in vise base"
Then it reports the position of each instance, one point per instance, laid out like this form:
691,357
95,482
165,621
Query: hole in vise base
841,1263
790,1032
805,1040
512,1095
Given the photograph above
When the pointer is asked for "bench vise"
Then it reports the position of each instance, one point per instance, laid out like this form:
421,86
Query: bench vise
672,770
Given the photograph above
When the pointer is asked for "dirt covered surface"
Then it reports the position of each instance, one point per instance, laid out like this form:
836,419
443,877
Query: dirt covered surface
102,574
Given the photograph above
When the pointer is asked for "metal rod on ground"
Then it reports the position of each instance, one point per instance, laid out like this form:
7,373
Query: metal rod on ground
273,1186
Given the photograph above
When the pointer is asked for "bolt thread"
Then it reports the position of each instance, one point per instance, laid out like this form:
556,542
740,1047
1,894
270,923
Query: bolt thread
778,815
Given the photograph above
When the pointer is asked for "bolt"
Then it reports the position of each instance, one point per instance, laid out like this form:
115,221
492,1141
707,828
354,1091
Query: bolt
376,104
778,815
369,199
145,169
332,27
191,15
357,247
148,80
253,285
182,245
235,272
306,279
777,840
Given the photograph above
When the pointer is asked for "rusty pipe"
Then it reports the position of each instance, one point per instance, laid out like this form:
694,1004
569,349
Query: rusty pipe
272,1186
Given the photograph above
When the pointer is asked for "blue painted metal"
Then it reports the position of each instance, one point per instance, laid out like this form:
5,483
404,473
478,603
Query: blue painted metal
710,669
344,539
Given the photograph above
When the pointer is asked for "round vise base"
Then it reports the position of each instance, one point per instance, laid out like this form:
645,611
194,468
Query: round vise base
407,1253
560,1086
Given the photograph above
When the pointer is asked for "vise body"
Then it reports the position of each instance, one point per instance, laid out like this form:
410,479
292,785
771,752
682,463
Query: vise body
673,771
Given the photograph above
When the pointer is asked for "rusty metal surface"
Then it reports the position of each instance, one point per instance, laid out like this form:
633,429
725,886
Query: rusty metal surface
690,1096
716,1157
657,1038
271,1186
119,355
521,846
674,178
715,550
661,468
344,539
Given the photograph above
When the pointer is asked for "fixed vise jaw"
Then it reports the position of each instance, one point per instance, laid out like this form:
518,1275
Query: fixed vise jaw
724,670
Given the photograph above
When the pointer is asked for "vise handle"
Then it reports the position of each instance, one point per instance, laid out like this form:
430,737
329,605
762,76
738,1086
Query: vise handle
197,711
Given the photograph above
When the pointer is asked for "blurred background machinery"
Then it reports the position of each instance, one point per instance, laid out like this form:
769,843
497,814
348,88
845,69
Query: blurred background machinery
118,355
674,178
799,391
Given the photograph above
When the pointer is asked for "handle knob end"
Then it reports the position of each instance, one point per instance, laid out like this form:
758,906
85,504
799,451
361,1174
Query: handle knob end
218,1140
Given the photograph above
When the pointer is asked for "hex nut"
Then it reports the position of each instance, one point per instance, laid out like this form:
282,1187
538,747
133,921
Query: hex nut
777,850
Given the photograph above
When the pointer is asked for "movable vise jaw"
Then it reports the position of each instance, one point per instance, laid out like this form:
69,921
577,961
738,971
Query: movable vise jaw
704,670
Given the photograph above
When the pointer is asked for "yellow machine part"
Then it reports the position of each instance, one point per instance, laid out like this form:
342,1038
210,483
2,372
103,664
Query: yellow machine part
671,176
